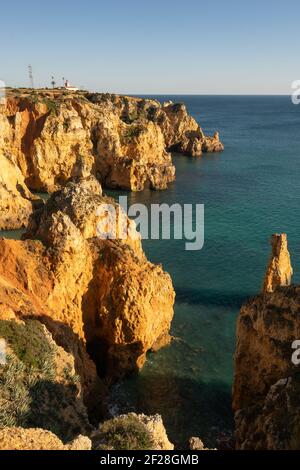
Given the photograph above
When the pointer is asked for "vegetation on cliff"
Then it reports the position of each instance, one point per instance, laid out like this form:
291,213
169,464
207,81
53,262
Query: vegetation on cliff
38,384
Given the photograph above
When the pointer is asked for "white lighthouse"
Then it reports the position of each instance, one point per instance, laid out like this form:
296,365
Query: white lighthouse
70,87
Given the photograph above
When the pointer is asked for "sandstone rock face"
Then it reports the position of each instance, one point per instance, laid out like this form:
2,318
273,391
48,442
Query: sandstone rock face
123,141
132,432
180,130
88,291
183,134
132,158
280,271
16,201
38,439
266,382
48,139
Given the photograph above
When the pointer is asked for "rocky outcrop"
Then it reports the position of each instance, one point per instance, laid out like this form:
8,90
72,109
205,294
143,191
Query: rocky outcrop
266,382
183,134
90,292
180,130
195,443
123,141
132,432
155,426
125,432
280,271
17,438
16,201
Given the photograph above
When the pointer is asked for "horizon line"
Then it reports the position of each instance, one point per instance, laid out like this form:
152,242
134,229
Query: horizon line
154,94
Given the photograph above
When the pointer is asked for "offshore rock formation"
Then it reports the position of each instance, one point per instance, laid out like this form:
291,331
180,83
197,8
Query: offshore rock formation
280,271
17,438
16,201
88,291
123,141
266,383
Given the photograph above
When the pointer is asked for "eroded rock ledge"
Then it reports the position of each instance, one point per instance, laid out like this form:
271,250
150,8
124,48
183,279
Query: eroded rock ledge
266,397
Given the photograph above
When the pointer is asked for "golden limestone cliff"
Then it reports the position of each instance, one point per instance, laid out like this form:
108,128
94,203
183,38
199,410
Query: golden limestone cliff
16,201
266,397
91,293
124,141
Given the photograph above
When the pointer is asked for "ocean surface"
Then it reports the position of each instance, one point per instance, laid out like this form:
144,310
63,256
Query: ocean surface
249,191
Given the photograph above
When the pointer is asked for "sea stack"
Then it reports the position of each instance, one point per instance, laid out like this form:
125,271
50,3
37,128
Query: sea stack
280,271
266,401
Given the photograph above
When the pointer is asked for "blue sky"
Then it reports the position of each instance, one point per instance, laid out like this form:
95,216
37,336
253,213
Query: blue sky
158,47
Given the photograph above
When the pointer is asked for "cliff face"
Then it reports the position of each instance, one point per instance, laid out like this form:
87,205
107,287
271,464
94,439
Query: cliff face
179,129
266,383
16,201
103,292
123,141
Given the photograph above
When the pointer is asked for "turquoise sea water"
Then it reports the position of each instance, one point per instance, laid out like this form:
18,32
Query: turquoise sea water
250,191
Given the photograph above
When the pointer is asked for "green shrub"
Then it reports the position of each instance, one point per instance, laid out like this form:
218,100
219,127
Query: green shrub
30,345
51,105
34,98
30,395
131,132
123,433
